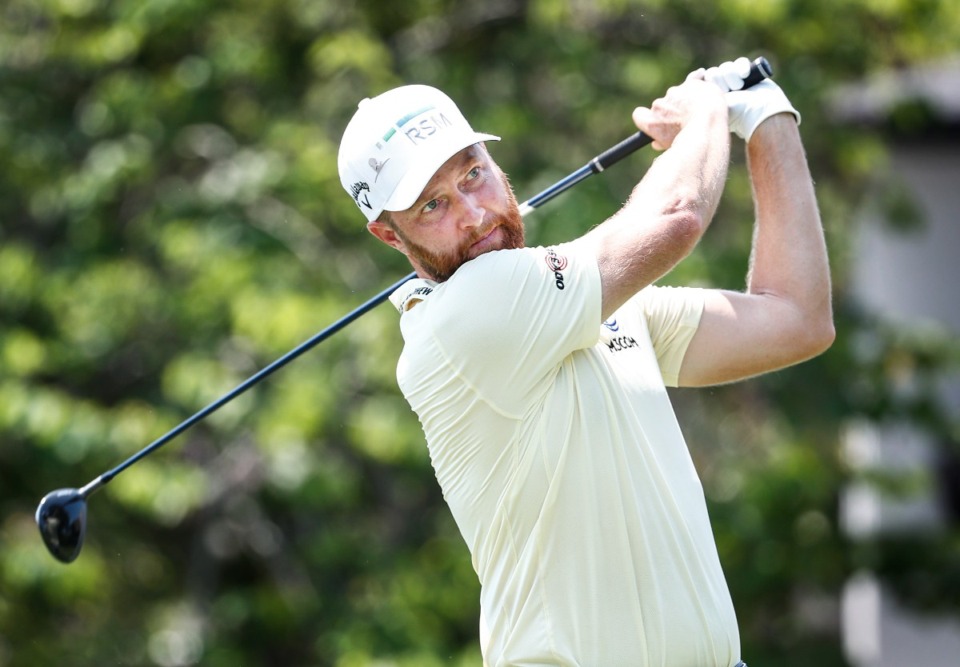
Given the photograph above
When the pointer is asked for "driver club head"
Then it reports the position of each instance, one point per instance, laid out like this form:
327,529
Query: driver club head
62,519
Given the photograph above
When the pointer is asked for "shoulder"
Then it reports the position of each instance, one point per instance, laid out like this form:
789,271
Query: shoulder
524,293
535,269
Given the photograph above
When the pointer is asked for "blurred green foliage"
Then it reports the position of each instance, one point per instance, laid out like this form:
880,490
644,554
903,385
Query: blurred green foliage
171,221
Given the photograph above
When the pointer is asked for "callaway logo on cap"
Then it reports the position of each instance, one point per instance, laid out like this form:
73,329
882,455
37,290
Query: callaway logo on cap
396,142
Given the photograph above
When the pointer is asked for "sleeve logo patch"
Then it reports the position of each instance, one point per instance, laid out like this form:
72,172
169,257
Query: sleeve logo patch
556,263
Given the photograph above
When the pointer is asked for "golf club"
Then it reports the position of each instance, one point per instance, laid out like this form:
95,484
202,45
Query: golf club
62,514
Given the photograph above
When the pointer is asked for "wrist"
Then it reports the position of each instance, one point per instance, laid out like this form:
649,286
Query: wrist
713,110
777,123
749,108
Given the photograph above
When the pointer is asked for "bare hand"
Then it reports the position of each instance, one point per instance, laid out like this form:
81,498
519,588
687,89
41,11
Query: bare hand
664,119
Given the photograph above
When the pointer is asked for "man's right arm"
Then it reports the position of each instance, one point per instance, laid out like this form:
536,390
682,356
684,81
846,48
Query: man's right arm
670,208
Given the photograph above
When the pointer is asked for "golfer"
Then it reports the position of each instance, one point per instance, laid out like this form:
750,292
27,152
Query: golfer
539,375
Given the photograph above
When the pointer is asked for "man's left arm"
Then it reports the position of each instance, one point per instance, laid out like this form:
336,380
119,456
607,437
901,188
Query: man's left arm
785,315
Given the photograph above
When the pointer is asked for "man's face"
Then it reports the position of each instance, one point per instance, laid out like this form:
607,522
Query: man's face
466,210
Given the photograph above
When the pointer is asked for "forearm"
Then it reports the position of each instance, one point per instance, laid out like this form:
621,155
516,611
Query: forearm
667,212
789,255
689,177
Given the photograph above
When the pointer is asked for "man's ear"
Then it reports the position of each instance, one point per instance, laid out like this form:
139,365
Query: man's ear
385,233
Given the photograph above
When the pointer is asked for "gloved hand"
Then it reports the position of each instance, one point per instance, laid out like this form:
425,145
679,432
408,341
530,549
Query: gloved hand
748,108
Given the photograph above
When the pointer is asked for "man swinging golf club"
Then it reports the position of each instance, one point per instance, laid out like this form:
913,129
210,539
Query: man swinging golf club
539,374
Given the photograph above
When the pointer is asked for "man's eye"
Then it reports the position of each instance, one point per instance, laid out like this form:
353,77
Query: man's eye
473,173
431,205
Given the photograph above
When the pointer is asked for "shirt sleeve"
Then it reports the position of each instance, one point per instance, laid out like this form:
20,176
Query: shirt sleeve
673,316
506,320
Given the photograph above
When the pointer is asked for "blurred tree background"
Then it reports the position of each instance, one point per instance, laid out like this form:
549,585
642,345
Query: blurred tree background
171,221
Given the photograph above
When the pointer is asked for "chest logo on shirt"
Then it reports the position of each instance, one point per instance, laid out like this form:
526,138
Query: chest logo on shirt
614,342
556,263
621,343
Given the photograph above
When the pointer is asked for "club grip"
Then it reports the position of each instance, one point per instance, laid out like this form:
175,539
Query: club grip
760,69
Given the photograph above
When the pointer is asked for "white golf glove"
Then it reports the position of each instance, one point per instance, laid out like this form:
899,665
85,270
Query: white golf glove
748,108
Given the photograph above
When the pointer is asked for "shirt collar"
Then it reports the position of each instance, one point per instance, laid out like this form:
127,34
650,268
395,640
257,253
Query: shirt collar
411,293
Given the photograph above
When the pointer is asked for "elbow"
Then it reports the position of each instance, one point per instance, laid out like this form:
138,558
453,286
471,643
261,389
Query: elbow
686,228
826,335
684,212
824,329
804,332
819,333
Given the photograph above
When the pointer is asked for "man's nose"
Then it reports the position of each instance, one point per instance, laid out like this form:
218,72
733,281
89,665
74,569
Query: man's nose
472,212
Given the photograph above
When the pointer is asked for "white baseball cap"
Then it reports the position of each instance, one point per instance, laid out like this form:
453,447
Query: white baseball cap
396,142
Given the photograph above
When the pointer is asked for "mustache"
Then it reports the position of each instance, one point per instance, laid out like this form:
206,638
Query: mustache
480,233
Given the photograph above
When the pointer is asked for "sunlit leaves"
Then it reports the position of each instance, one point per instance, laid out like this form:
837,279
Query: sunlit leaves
377,430
26,565
348,50
102,307
164,491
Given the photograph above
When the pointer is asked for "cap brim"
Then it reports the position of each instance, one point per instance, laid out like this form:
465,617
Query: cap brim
411,186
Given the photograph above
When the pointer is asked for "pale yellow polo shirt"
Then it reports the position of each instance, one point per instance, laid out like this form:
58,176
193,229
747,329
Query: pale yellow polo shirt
559,454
